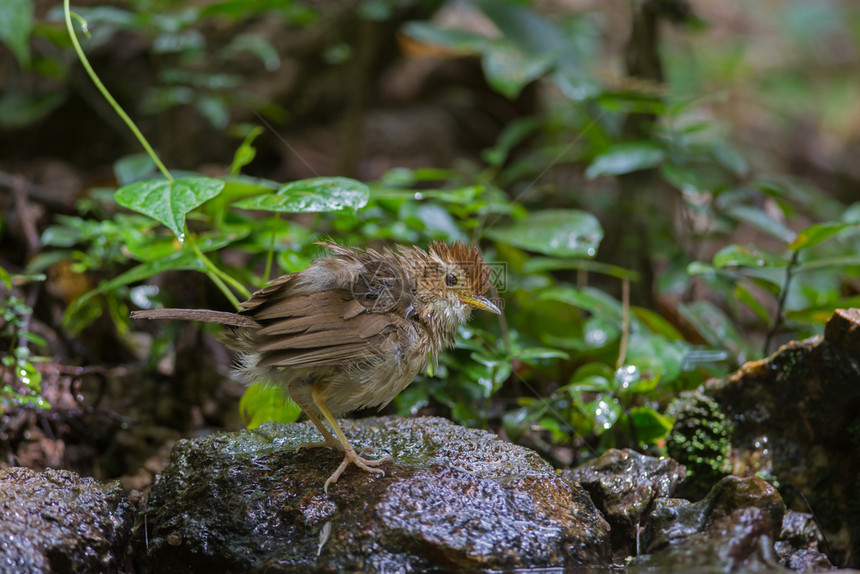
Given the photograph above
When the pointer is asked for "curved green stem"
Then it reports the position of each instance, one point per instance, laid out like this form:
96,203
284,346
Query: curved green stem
220,278
101,88
270,255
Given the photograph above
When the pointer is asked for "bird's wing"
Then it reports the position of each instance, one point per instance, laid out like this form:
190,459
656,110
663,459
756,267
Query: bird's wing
326,327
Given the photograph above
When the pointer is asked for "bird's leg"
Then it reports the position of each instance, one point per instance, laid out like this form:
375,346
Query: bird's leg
329,441
350,456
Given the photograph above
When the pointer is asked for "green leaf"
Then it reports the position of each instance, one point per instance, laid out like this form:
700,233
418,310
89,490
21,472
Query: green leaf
586,298
717,329
459,41
819,314
132,168
528,29
169,202
745,296
82,312
656,323
625,158
433,218
557,232
760,220
513,133
539,264
246,152
263,403
840,262
650,425
815,234
312,195
591,377
16,23
603,414
746,256
508,69
531,355
18,109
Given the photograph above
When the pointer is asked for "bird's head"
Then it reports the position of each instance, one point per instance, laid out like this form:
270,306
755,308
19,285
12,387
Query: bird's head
450,280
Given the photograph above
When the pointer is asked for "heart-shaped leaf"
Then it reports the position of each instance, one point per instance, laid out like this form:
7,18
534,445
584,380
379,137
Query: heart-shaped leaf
169,201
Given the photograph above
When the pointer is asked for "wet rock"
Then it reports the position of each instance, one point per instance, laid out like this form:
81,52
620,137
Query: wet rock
732,529
452,499
800,542
794,419
623,485
57,521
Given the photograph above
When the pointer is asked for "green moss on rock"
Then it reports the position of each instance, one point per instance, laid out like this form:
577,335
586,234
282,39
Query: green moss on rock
699,440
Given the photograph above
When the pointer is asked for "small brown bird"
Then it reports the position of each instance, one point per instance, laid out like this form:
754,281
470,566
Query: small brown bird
353,329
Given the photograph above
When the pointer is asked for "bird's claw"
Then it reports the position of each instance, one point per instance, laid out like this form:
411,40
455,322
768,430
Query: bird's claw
362,463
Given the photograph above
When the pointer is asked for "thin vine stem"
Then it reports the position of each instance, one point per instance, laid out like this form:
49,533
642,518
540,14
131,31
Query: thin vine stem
106,94
220,278
270,254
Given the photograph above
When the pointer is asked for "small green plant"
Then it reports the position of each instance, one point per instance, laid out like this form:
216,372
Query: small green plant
21,380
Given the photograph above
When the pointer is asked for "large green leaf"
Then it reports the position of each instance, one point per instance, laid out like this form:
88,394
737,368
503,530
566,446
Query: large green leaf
16,22
625,158
557,232
312,195
169,202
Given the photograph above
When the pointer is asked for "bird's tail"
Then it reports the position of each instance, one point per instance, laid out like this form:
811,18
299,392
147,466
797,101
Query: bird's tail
204,315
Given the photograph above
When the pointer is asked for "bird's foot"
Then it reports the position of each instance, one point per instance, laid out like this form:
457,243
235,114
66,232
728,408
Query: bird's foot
352,457
334,445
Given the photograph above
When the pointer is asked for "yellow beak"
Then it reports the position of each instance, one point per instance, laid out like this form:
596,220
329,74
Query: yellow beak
479,302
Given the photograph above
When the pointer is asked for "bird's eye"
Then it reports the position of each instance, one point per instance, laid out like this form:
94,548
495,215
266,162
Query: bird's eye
450,280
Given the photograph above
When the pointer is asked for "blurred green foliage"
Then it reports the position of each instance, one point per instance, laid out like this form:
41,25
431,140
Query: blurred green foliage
570,360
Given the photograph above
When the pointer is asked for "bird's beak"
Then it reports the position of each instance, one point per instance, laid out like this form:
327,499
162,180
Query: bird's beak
479,302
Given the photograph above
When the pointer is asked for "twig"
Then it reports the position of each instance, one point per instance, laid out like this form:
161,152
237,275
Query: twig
778,320
625,322
19,188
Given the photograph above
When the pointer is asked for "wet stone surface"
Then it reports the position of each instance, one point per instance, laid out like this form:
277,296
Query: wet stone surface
732,529
452,499
623,484
57,521
794,418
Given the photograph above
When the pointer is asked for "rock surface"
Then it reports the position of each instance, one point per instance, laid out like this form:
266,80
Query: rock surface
452,499
623,484
794,418
56,521
732,529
